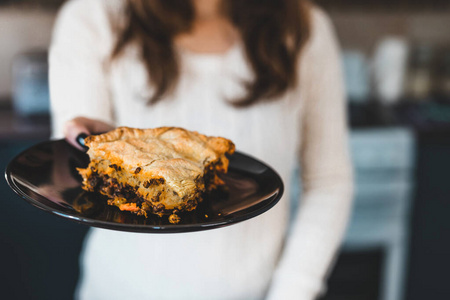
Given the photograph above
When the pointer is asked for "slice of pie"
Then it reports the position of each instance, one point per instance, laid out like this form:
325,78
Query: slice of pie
161,171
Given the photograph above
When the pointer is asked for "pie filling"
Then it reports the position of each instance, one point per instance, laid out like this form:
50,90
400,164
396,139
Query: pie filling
148,195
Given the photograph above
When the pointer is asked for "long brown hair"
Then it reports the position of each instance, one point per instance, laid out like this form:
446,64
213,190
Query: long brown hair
273,33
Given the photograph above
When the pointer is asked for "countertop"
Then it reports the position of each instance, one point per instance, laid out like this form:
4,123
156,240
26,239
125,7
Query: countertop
16,127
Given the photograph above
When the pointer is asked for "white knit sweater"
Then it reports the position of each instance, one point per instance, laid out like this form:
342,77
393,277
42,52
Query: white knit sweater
253,259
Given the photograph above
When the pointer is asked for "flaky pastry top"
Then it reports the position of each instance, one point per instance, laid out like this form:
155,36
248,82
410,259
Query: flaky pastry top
169,152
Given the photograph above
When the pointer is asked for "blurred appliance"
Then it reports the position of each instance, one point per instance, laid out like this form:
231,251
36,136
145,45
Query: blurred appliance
442,88
389,68
419,81
384,163
30,84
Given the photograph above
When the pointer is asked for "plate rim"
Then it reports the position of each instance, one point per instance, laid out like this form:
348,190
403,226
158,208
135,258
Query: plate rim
139,228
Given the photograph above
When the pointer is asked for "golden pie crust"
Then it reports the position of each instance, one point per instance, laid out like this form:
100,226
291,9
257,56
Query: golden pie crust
162,171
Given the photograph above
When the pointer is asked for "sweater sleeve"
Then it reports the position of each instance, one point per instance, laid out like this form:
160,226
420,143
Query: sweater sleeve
326,171
79,56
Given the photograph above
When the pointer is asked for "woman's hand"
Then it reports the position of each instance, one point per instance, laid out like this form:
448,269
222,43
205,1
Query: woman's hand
74,127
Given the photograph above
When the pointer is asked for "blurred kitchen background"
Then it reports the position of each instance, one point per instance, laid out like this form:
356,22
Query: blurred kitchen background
396,57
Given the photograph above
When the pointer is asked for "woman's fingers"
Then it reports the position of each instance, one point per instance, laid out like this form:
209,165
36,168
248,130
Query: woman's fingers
81,125
95,126
72,129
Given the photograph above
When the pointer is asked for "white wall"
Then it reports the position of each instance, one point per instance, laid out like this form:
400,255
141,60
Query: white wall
21,30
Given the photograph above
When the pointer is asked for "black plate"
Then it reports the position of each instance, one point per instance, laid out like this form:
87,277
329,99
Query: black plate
45,175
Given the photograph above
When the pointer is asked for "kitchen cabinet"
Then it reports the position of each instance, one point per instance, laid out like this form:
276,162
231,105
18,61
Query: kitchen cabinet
429,261
40,251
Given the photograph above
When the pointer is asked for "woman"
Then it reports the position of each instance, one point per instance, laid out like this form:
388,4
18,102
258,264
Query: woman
264,74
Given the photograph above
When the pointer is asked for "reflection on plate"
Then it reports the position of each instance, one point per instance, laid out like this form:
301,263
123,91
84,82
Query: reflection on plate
45,175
